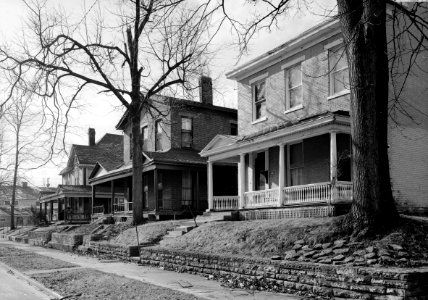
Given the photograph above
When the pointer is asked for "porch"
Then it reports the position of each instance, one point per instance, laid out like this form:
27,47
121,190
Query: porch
297,166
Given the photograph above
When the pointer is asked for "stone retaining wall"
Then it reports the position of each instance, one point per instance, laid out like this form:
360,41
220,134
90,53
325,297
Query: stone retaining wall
290,277
65,242
112,250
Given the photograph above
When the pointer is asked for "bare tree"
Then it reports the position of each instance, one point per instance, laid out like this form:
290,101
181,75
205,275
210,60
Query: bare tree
364,28
154,47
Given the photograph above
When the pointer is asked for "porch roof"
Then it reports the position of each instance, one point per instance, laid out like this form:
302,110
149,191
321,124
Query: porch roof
178,157
222,147
68,191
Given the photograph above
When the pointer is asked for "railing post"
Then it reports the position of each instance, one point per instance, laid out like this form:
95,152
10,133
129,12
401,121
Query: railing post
281,174
210,186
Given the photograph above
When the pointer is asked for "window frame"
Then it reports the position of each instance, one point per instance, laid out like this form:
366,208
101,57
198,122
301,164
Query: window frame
185,131
158,135
256,102
332,69
288,106
144,137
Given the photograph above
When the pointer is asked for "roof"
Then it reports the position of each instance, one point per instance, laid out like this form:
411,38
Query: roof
293,46
18,212
181,156
177,103
68,191
221,145
109,150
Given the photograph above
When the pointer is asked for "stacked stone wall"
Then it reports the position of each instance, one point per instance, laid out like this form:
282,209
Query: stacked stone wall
290,277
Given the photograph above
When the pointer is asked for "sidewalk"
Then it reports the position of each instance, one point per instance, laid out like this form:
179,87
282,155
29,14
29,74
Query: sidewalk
187,283
13,288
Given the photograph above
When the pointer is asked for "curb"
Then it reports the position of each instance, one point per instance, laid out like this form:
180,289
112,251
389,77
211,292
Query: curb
30,281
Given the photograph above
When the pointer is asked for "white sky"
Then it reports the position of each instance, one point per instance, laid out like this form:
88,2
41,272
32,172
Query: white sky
100,111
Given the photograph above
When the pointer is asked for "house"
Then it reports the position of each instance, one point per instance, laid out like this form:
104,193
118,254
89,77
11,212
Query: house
71,201
25,196
174,174
22,216
293,152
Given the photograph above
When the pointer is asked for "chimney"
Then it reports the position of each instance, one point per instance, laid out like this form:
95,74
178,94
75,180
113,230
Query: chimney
206,90
24,184
91,136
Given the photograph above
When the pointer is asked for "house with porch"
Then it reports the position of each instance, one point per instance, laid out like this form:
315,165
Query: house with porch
293,151
174,174
71,201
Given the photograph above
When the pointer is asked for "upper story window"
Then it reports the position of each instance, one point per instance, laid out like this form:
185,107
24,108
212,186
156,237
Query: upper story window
186,132
158,135
233,129
130,146
293,79
145,137
259,100
338,70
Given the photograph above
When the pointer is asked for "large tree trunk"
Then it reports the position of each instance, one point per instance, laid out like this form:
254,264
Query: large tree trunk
137,167
364,28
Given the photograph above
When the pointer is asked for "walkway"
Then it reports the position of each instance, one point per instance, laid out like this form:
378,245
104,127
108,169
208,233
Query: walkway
187,283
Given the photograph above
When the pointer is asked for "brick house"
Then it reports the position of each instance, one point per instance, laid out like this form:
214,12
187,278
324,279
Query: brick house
174,174
293,151
71,201
25,195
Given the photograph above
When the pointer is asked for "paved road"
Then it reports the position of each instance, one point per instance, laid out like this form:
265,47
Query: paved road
14,288
195,285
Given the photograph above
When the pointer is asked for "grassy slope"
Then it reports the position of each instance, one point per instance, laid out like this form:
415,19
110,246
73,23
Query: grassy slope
273,237
147,233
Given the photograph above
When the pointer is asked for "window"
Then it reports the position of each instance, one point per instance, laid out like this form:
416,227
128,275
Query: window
293,79
186,189
259,105
186,132
296,164
130,146
339,72
6,202
145,137
233,129
158,135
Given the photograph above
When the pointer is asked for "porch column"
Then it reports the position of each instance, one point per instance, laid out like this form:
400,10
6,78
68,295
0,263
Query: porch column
333,165
113,192
46,210
241,180
93,199
281,174
40,207
155,188
250,171
210,186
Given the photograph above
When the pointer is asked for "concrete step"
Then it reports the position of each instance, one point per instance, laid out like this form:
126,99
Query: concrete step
175,233
213,216
185,228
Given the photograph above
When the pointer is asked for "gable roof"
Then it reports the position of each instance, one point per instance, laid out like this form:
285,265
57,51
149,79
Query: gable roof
176,156
220,140
108,149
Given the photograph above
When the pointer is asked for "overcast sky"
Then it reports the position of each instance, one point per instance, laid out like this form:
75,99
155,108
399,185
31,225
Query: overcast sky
102,113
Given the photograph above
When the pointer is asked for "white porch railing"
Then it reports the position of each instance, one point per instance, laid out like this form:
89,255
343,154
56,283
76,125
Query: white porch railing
225,202
316,192
122,207
98,209
262,198
344,191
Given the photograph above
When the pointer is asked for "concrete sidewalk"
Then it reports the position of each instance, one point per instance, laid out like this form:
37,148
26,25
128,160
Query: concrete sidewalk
14,288
187,283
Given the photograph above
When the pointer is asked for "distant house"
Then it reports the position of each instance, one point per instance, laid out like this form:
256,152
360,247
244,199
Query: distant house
25,196
174,174
293,151
23,217
71,200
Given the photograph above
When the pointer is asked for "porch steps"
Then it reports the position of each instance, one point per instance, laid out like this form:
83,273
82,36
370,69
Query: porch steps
213,216
177,232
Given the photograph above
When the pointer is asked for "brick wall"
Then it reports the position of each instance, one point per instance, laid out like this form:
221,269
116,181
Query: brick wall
206,125
315,84
291,277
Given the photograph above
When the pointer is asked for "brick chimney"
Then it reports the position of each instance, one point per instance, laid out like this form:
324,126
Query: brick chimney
206,90
24,184
91,136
